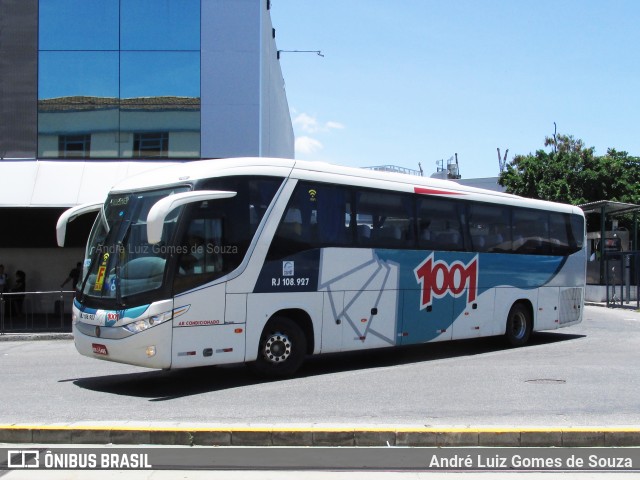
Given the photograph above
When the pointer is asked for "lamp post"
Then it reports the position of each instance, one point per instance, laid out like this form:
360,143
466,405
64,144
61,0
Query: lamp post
317,52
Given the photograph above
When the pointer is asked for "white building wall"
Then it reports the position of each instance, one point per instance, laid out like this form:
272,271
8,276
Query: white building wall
277,138
230,80
57,183
244,105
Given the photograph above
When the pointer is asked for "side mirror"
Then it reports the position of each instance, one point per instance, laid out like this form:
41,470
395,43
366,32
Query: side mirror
162,208
69,216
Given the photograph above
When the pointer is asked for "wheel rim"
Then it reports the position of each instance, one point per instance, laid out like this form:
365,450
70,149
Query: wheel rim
519,325
277,348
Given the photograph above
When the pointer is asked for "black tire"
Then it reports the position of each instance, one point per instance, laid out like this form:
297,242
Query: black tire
519,325
281,350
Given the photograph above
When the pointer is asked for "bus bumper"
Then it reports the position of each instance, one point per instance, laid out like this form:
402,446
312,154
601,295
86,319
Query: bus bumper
150,348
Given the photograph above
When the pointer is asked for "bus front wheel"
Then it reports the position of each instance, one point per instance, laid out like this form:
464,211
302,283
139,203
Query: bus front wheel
282,348
519,325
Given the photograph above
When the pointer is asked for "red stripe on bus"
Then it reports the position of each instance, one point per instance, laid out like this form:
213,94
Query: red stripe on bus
433,191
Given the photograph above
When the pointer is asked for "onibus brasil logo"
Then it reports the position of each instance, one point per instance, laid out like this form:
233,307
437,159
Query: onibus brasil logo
439,278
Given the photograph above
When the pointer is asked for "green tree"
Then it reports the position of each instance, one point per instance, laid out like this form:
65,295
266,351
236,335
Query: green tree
571,173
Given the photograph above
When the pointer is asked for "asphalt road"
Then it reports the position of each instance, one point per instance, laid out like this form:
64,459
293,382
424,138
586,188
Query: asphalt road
586,375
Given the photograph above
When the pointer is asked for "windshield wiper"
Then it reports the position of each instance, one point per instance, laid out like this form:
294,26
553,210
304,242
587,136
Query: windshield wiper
105,222
119,255
97,253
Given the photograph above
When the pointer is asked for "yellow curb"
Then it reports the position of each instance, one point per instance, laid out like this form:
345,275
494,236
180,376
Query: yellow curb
227,428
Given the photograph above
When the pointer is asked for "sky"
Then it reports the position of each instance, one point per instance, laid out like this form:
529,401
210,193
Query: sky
404,82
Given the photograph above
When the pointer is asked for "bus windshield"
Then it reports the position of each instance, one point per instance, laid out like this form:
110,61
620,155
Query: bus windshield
119,262
201,241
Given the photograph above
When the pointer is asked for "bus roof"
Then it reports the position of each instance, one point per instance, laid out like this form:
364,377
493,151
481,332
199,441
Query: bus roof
188,172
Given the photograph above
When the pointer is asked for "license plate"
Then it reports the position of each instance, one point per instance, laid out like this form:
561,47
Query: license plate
99,349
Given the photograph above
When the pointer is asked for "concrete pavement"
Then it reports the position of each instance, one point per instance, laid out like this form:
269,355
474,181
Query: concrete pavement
311,435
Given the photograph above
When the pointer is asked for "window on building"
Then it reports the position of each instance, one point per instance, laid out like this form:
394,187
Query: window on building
74,146
89,25
151,145
148,25
116,67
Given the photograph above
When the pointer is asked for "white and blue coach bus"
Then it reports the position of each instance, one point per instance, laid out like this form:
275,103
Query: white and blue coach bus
266,261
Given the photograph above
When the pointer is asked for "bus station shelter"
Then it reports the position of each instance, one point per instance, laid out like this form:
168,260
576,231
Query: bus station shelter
617,262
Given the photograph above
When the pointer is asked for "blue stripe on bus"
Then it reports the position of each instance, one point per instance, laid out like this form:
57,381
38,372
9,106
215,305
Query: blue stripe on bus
133,312
447,277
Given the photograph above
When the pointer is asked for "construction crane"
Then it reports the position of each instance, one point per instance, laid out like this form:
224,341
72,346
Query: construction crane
502,162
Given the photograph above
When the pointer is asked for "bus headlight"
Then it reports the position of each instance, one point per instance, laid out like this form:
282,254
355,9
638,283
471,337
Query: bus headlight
145,323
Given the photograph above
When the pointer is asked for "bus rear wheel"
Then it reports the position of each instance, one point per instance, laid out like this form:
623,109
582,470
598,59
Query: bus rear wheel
519,325
282,348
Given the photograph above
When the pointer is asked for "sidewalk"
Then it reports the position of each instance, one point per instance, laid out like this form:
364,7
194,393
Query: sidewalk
35,327
630,306
23,336
322,436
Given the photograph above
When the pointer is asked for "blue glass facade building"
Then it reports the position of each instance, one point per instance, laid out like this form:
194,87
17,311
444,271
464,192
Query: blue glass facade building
93,91
122,80
141,80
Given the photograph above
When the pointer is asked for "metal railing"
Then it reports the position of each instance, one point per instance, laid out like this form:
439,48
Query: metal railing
395,169
622,275
35,311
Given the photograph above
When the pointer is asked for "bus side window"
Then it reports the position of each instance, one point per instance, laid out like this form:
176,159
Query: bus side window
261,193
577,235
440,225
363,234
254,195
333,213
531,232
562,237
292,233
317,216
384,219
490,228
291,226
198,254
